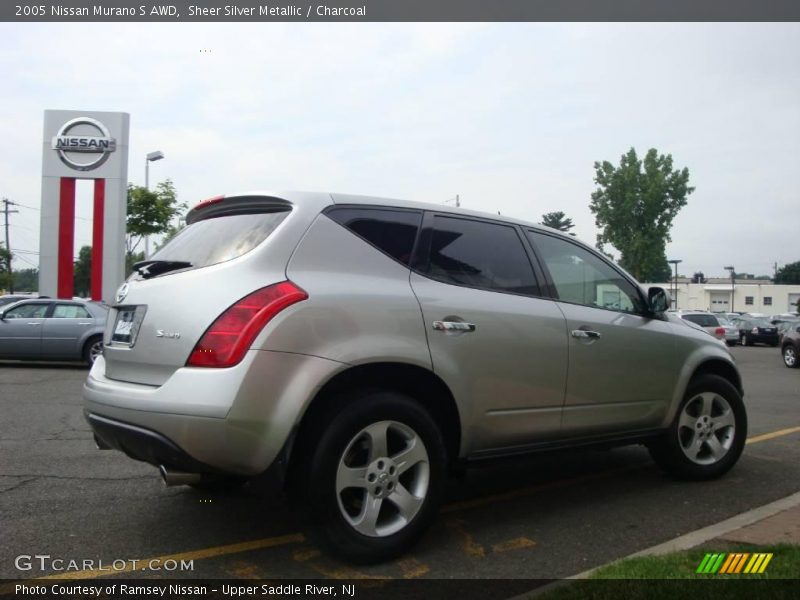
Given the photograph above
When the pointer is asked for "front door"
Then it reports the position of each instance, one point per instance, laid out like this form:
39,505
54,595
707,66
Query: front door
622,363
21,330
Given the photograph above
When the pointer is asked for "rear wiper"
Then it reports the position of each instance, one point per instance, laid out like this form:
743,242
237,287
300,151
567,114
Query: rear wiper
151,268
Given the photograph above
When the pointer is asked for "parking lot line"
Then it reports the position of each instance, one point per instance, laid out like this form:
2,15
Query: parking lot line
769,436
298,538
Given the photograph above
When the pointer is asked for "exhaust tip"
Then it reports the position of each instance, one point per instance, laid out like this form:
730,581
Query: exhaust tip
100,444
171,477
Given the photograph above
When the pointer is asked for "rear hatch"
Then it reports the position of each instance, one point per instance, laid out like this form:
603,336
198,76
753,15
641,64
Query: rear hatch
230,248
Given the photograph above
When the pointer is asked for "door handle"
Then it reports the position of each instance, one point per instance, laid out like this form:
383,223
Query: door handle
34,323
585,334
84,323
453,326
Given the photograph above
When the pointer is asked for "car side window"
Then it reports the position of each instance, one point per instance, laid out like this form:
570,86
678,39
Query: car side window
581,277
479,254
27,311
391,231
70,311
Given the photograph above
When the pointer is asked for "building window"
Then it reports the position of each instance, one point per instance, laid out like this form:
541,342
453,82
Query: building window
748,300
767,300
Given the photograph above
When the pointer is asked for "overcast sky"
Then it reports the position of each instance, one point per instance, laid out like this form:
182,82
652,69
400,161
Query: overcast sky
509,116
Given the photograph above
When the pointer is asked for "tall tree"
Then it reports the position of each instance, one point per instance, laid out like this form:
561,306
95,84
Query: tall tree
557,220
5,275
83,272
26,280
150,212
788,273
634,206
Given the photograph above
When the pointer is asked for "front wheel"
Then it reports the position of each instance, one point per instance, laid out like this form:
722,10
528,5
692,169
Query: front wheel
707,435
731,342
745,342
376,477
790,356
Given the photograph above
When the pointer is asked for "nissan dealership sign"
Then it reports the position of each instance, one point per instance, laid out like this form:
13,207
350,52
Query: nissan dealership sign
83,145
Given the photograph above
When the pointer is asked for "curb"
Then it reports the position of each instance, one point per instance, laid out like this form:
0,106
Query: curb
689,540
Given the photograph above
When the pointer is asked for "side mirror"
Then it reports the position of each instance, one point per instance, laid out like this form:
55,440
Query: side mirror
658,300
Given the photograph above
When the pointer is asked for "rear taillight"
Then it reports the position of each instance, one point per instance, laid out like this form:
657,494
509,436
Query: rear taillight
230,335
754,330
720,331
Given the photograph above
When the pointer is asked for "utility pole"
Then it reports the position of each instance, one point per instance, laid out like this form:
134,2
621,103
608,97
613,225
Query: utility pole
6,212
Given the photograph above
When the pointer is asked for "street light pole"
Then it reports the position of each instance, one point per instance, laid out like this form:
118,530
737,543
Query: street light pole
733,282
151,157
675,262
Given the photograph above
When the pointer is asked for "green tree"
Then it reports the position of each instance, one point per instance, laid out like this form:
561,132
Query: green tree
5,274
634,206
150,212
82,272
788,273
557,220
26,280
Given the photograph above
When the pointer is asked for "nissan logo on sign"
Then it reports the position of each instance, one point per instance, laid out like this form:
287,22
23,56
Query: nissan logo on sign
84,144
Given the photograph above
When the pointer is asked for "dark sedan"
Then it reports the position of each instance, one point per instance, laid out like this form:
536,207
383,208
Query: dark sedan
48,329
757,330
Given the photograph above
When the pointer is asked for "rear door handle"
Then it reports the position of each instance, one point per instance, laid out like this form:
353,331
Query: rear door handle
84,323
585,334
34,323
453,326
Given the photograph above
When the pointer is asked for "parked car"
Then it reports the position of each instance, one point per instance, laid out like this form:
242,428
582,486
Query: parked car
713,325
790,346
48,329
783,317
361,347
756,330
785,326
11,298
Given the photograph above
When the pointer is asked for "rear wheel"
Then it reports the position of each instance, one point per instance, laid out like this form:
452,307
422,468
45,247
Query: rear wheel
731,342
790,356
707,435
745,341
92,349
376,477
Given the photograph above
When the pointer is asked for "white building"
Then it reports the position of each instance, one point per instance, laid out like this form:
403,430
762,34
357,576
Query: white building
746,295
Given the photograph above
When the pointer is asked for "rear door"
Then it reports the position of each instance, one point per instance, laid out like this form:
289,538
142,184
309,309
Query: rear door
21,330
622,363
499,345
63,329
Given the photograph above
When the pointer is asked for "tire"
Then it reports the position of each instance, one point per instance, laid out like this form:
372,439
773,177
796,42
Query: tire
745,341
790,358
711,409
391,502
731,342
92,349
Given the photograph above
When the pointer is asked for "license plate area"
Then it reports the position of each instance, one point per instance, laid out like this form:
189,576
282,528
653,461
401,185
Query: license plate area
126,325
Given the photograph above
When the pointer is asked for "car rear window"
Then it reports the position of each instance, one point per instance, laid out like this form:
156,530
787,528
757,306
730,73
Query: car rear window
219,239
703,320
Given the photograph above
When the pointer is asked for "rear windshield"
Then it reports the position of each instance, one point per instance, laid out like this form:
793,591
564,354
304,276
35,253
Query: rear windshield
703,320
222,238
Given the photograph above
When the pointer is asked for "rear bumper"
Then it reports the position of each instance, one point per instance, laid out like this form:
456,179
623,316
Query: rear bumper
144,444
233,421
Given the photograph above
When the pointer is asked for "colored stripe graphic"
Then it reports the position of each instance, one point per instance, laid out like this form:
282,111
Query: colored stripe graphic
733,563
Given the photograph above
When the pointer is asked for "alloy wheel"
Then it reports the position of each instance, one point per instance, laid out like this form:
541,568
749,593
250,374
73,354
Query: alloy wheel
790,356
706,428
382,478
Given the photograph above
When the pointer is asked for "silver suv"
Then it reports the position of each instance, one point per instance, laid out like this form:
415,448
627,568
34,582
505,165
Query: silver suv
361,347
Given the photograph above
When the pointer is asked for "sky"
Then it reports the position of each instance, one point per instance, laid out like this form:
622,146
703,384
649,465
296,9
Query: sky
511,117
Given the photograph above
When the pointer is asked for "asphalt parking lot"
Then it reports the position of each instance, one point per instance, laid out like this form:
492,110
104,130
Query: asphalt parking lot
545,517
